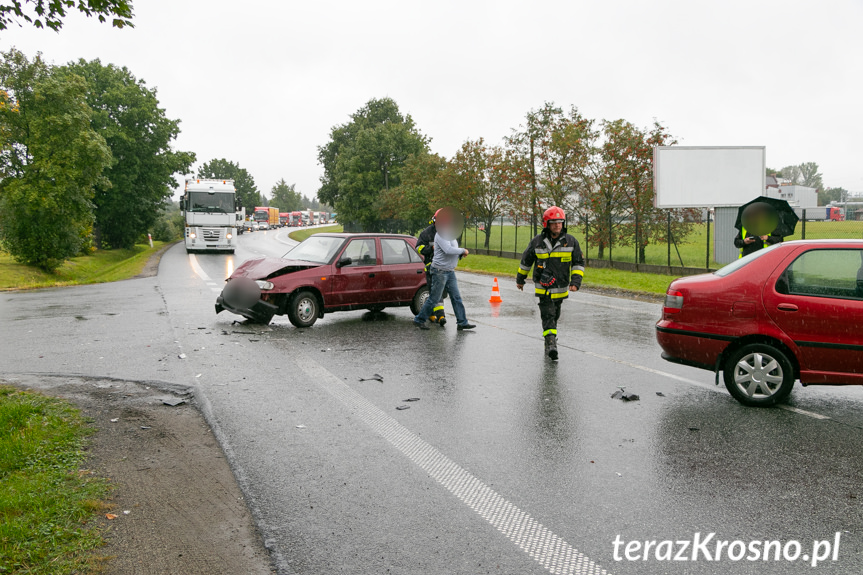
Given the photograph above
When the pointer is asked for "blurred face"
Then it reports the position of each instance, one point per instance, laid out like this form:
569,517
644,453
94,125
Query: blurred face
555,228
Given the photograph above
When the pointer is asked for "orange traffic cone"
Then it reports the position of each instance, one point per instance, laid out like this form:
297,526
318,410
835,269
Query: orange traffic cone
495,293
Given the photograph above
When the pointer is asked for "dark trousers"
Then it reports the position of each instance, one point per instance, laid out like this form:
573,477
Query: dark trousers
549,312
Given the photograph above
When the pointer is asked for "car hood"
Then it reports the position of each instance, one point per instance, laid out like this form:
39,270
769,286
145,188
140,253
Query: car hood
264,268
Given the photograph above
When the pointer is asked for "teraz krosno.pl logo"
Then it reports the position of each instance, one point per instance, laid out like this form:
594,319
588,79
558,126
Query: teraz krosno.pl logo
709,548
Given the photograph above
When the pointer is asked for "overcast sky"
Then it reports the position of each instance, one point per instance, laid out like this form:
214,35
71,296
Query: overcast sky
262,83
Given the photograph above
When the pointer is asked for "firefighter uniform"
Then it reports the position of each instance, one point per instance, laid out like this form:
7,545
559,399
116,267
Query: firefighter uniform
559,265
425,247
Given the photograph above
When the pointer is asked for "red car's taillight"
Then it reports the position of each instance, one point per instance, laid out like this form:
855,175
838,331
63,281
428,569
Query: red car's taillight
673,302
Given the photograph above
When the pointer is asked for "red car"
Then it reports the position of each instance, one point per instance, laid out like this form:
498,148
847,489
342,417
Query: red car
327,273
791,311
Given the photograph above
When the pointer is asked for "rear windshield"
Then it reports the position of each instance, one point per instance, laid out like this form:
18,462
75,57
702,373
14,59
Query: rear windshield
742,262
316,249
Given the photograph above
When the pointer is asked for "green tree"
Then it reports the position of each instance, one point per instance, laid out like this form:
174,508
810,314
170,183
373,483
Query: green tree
832,195
50,13
247,191
285,197
365,157
418,195
625,210
51,161
810,176
141,175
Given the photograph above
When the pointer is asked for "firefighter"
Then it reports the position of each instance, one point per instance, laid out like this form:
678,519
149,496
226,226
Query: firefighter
559,270
425,247
749,243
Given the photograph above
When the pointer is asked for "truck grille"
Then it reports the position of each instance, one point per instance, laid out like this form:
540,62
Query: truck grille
211,235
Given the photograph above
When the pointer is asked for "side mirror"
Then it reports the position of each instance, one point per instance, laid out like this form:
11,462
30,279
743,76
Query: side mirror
345,261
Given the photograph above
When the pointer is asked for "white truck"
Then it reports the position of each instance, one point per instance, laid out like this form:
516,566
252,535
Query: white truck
210,210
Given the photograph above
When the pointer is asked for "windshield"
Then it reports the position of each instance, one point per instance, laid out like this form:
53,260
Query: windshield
206,202
262,216
316,249
737,264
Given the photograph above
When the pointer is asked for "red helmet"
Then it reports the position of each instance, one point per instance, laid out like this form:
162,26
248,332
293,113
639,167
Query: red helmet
436,214
553,214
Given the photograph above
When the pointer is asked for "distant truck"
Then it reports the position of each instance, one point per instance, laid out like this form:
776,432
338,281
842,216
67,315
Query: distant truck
295,219
822,213
267,217
209,208
283,218
307,217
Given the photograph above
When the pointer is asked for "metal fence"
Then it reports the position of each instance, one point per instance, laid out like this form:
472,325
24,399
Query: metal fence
693,253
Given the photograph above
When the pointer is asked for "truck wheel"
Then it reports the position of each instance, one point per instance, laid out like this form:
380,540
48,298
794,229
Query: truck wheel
303,309
759,375
419,299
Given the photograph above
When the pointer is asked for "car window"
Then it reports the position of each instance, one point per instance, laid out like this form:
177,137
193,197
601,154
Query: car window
395,251
362,252
824,273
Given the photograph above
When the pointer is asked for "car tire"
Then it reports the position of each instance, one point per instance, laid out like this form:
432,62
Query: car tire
303,309
750,382
419,299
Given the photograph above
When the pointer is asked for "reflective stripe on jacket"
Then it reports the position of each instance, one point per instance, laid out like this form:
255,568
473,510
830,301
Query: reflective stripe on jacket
561,258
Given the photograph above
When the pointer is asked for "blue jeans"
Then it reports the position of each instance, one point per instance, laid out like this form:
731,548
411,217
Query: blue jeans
443,280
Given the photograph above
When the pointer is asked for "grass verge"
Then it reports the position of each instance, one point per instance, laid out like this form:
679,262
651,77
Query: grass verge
302,234
47,504
99,267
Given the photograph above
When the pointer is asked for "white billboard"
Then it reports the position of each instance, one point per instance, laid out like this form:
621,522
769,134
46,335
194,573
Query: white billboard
707,176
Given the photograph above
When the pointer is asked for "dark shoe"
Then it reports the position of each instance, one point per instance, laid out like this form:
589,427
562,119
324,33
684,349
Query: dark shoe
466,326
421,325
551,346
442,321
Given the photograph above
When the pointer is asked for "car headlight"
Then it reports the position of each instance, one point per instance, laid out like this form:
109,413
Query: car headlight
264,284
191,234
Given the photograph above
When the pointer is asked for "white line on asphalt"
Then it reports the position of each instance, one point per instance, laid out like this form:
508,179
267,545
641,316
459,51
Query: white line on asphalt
802,411
543,546
198,269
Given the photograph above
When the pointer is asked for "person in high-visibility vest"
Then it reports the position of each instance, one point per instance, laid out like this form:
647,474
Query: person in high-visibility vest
750,243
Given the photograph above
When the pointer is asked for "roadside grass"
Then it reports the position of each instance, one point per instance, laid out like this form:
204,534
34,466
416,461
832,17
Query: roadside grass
101,266
47,503
593,277
303,233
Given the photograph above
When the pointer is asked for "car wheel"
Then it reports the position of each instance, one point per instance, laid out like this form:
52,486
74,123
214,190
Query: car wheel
419,299
759,375
303,309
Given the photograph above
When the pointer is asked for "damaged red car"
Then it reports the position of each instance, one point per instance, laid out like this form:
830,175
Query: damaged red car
327,273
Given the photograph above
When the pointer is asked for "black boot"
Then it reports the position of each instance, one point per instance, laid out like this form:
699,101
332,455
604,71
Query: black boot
441,319
551,346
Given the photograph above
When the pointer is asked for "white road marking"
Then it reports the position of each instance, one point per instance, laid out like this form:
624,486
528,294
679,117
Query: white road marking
542,545
802,411
199,271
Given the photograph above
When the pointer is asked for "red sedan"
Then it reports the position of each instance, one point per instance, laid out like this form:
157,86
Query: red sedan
791,311
327,273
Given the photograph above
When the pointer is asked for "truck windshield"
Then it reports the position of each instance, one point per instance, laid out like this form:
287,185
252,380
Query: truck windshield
206,202
316,249
262,216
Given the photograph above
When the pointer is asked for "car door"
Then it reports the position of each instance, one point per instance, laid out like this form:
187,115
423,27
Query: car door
817,300
354,283
402,270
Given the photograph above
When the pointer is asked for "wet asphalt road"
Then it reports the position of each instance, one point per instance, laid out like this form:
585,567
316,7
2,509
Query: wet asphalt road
507,463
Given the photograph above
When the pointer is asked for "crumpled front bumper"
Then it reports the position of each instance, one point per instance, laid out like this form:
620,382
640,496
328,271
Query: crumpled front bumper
243,297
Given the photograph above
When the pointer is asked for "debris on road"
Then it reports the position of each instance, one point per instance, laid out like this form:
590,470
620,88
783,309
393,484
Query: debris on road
624,395
401,407
182,356
173,401
374,377
411,399
115,420
301,426
660,394
110,516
